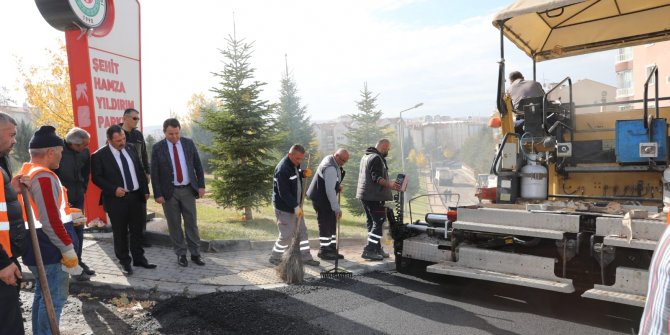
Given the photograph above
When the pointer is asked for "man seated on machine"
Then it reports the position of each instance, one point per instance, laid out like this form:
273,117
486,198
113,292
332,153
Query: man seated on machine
522,89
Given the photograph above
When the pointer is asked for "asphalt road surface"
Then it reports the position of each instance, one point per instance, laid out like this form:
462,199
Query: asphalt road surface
396,304
391,303
375,303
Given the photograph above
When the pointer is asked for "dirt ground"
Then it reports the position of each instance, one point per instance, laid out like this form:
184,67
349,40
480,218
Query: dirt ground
246,312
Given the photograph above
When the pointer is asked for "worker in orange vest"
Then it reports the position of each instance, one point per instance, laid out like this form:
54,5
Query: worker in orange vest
53,221
12,234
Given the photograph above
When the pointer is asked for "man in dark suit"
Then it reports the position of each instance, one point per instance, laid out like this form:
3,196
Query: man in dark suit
117,172
177,179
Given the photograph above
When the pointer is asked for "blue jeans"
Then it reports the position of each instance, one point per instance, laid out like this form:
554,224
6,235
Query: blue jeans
58,281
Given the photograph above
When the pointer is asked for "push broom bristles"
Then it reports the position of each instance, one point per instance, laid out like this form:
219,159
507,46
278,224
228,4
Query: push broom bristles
290,269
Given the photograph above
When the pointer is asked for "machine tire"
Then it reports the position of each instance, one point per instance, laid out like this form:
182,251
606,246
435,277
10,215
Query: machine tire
409,266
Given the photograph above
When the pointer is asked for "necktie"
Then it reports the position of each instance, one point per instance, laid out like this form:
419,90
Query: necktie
177,163
126,172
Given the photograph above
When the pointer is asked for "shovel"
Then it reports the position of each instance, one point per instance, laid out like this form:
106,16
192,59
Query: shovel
46,294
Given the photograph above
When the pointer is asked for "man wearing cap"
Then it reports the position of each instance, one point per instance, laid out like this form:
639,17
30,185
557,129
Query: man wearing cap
12,234
116,170
55,232
73,172
131,118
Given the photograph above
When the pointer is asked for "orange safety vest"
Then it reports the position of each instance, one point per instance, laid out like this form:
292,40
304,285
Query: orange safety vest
30,170
4,220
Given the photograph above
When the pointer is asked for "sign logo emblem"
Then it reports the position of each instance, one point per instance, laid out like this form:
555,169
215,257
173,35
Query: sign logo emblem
90,12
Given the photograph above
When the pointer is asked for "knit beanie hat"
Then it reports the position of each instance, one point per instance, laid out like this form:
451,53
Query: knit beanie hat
45,137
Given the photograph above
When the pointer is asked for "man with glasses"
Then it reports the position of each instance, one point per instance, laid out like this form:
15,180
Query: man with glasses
323,191
131,118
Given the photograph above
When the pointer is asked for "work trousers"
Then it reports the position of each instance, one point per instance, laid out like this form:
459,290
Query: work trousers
287,224
182,204
375,211
58,281
79,230
327,220
127,216
10,309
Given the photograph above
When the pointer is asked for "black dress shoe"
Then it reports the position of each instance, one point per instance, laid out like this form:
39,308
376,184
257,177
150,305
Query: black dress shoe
145,264
87,270
126,269
197,260
181,260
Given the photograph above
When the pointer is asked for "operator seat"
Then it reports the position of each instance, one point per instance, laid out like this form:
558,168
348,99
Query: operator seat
529,116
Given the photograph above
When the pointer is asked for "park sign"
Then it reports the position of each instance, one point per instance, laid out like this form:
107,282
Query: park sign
104,60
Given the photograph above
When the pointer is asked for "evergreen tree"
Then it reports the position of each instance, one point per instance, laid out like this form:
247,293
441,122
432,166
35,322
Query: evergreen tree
24,131
150,141
362,133
243,135
293,124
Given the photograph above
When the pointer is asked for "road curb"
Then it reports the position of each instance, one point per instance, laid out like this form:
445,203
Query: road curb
163,240
145,289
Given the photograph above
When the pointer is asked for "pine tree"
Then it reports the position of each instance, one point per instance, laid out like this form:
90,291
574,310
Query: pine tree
243,134
293,124
24,131
363,133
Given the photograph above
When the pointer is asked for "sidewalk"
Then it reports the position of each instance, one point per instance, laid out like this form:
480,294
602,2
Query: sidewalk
230,266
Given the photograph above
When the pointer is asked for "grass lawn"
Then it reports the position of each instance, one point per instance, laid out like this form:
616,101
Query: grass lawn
216,223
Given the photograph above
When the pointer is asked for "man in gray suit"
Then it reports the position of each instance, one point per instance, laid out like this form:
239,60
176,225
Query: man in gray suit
178,179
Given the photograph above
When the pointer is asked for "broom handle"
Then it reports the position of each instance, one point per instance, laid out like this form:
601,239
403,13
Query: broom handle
304,184
46,294
302,199
337,234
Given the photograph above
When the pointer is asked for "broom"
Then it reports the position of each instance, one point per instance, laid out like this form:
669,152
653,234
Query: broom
291,270
336,272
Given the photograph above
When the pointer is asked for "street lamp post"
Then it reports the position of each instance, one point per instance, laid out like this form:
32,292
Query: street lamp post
402,134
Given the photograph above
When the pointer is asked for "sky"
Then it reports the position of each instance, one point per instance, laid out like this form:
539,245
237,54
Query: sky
443,54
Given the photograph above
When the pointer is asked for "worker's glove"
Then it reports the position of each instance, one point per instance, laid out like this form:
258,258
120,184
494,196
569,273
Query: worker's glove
78,217
70,259
307,172
298,212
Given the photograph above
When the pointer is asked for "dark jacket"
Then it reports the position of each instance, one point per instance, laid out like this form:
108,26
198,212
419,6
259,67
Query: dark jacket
136,138
162,174
107,175
18,234
373,167
285,195
74,171
325,184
